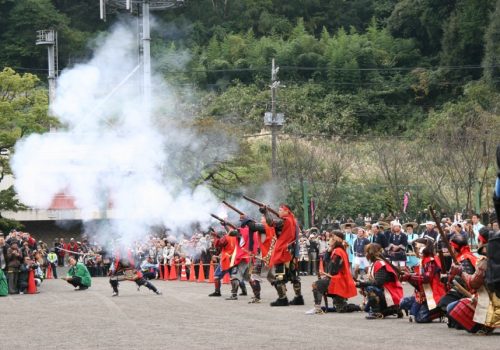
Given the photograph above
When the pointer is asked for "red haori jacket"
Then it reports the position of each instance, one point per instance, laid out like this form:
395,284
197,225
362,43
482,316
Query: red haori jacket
394,288
227,245
281,254
429,275
342,283
242,246
464,254
264,246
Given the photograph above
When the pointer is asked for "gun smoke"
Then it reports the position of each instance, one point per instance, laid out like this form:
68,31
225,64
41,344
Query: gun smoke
112,157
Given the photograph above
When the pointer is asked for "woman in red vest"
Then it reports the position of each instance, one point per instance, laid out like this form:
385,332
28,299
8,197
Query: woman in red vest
467,263
383,289
337,281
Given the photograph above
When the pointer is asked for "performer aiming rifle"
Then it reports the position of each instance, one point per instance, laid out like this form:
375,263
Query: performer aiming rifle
261,238
283,268
226,244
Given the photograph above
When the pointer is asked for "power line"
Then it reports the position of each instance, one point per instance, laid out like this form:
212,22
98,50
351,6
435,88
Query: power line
303,68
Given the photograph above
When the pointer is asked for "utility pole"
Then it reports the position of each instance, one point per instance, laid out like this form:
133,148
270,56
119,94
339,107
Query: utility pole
49,38
273,119
142,8
305,203
146,57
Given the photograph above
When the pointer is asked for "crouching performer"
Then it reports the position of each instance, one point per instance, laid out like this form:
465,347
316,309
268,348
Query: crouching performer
428,287
337,280
78,275
479,311
383,289
123,269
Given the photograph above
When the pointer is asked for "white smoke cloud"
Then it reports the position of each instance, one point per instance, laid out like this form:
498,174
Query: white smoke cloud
110,151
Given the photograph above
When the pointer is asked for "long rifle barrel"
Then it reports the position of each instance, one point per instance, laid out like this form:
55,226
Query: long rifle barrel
233,208
224,222
260,204
443,235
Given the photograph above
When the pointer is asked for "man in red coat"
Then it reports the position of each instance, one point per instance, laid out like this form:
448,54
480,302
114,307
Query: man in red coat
337,280
283,268
226,245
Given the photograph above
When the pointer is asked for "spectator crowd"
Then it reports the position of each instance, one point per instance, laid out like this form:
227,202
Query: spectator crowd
156,255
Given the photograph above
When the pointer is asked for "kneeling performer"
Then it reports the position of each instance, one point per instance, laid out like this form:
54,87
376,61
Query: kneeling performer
337,281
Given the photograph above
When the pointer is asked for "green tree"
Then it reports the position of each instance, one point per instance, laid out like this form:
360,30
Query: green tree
23,110
491,61
20,21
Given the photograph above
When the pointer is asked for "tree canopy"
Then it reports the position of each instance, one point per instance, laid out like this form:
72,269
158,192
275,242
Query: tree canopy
379,75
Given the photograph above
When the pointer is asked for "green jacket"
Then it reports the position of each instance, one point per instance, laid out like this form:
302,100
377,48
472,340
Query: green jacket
4,288
81,271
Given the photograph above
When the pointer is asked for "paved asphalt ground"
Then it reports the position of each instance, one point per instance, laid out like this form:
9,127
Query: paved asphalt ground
185,317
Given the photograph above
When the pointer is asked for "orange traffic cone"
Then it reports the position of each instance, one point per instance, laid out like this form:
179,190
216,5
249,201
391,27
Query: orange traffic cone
48,272
201,273
183,272
321,269
226,279
161,267
211,272
192,275
173,272
165,272
31,282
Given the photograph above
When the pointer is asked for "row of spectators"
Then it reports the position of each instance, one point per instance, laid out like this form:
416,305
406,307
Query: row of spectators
19,254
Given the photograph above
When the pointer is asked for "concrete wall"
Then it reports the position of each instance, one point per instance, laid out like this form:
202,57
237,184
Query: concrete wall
48,230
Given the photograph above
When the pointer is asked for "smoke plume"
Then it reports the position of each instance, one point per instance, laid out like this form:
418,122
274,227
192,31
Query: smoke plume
110,154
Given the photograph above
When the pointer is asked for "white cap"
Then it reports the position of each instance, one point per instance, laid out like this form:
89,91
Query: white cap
428,223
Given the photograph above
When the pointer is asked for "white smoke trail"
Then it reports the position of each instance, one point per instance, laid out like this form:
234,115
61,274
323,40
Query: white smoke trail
110,152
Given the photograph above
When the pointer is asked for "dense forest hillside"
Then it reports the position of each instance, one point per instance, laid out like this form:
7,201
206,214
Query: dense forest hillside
366,73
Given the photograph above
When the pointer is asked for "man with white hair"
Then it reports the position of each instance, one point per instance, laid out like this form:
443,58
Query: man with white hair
397,245
429,230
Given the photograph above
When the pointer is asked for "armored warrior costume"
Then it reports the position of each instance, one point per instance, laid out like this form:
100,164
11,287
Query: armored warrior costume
123,269
239,260
283,267
428,287
337,282
225,246
263,237
383,289
479,312
467,262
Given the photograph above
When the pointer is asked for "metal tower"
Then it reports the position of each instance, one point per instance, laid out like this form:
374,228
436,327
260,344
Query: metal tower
49,38
141,8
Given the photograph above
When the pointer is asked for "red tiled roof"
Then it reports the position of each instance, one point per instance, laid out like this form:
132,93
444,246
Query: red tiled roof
63,201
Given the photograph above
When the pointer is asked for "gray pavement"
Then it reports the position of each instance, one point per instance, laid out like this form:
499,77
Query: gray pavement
185,317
